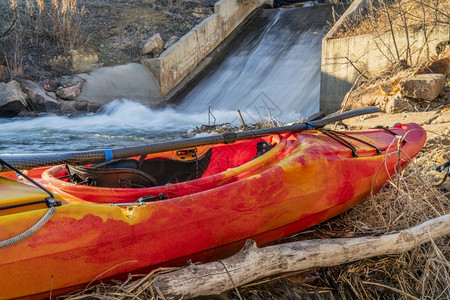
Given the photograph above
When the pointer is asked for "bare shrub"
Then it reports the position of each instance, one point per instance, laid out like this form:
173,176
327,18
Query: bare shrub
37,32
394,17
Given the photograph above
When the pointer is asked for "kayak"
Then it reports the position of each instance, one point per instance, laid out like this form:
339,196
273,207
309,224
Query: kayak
136,214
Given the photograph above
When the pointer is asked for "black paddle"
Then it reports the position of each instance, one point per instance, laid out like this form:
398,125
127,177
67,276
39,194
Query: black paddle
29,161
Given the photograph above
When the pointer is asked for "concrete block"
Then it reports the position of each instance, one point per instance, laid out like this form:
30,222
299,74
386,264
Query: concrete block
423,86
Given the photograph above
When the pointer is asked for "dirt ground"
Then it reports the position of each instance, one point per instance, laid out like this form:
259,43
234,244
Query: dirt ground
115,29
121,27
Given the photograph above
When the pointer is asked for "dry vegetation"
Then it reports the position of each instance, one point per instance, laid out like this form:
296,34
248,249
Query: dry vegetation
395,17
33,33
36,36
49,29
382,14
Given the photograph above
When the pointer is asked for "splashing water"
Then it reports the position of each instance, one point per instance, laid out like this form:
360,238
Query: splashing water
120,123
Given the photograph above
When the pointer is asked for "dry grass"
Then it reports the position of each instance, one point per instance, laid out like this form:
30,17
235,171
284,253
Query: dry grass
381,14
399,18
408,200
34,32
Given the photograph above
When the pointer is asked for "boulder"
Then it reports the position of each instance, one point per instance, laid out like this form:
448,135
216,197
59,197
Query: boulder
173,39
396,105
39,100
69,93
68,81
12,99
73,107
154,46
423,86
440,66
52,95
49,85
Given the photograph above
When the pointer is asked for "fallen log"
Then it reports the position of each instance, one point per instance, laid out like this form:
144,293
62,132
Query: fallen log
253,263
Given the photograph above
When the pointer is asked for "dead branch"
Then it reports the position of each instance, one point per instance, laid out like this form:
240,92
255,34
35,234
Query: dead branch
253,263
390,21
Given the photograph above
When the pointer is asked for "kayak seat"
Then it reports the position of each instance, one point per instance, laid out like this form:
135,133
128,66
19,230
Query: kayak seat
131,173
111,177
173,171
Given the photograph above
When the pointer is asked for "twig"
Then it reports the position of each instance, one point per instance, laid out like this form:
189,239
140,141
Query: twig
391,288
242,119
10,27
391,28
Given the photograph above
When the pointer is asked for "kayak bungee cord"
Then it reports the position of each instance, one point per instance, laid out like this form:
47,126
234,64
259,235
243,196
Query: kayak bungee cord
50,201
336,135
30,231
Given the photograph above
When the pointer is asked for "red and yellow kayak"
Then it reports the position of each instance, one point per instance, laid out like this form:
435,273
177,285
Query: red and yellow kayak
204,205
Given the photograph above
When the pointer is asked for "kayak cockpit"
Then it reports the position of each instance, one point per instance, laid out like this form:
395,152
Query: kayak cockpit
172,173
139,173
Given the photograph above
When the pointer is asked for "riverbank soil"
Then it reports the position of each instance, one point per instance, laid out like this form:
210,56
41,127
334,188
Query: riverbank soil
37,38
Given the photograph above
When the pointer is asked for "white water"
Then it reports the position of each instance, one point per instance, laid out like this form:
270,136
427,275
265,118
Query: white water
273,68
120,123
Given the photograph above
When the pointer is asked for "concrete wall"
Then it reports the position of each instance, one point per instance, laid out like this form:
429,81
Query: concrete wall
178,61
374,55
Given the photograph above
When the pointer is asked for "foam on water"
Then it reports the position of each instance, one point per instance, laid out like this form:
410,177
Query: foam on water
118,124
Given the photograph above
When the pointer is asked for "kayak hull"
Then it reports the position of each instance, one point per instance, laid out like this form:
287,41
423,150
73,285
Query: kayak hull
309,180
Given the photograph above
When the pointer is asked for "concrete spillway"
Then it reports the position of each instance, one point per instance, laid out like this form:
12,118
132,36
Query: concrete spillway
272,67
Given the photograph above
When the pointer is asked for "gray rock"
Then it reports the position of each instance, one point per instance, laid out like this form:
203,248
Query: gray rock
423,86
171,41
39,100
12,99
73,107
67,81
49,85
69,93
53,95
154,46
397,104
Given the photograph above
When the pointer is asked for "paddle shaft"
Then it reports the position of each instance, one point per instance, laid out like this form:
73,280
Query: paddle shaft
29,161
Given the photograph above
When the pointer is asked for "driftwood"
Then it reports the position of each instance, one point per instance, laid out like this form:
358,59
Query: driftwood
253,263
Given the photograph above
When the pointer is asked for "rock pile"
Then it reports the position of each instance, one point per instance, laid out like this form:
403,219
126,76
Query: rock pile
407,89
24,97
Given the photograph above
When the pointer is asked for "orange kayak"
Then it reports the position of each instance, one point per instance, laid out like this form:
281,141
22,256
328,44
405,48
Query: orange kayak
202,203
